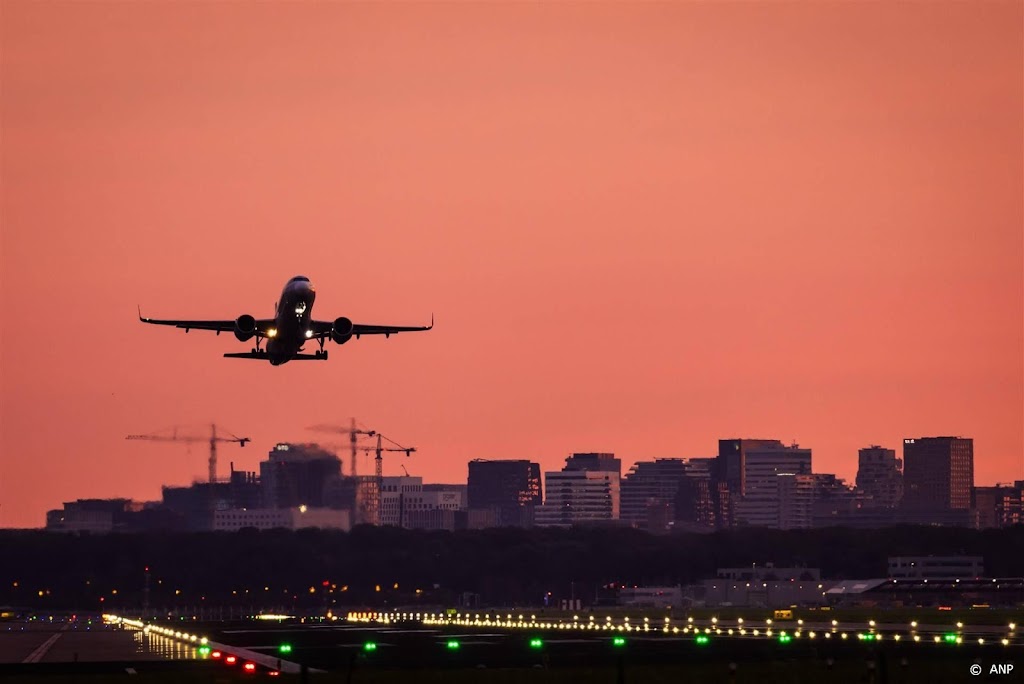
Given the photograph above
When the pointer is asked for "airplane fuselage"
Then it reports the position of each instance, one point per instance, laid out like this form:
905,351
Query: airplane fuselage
294,313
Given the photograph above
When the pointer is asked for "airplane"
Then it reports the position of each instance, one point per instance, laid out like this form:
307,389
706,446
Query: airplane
291,327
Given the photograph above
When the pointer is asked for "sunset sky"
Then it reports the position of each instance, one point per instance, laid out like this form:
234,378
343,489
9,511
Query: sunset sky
641,228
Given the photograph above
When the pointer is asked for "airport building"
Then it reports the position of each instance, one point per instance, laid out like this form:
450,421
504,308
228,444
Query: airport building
880,476
764,587
936,567
938,473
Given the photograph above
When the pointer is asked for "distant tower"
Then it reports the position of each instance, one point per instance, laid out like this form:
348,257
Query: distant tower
880,475
938,472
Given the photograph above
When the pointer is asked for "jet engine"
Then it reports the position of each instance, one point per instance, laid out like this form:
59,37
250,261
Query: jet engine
341,332
245,327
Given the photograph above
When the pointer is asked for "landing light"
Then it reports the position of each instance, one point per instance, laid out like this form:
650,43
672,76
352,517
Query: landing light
272,332
309,334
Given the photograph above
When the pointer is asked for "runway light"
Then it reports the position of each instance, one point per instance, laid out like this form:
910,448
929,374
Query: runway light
249,667
703,640
785,638
204,650
453,645
619,641
285,648
536,643
949,638
369,646
230,660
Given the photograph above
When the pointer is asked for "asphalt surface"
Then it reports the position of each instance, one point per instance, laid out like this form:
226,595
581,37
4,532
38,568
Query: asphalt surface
78,641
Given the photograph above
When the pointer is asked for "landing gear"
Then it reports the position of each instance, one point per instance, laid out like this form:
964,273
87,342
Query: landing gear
321,355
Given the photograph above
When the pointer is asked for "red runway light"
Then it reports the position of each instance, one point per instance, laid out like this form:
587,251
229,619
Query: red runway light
230,660
249,667
273,673
215,654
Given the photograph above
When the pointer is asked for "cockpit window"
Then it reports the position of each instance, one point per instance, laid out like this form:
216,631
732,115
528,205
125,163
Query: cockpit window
298,278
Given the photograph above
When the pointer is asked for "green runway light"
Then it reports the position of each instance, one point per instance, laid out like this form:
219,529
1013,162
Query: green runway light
204,650
785,638
536,643
453,645
619,641
703,640
950,638
285,648
369,646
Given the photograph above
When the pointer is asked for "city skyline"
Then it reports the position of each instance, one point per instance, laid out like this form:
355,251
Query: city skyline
748,469
641,228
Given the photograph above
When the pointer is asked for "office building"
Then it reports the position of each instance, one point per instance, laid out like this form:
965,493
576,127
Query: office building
880,476
651,484
601,462
1000,505
298,475
302,517
579,497
778,485
510,490
938,473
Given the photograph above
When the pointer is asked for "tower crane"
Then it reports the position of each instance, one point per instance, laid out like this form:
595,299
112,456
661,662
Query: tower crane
379,450
213,439
353,433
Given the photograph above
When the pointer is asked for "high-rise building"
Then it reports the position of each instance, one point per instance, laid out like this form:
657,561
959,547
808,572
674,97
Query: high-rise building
730,466
938,472
398,497
594,461
510,490
999,506
769,501
695,501
880,476
298,475
656,484
579,497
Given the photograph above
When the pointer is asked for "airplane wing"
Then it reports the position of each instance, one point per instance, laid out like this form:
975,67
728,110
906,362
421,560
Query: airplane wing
323,328
262,325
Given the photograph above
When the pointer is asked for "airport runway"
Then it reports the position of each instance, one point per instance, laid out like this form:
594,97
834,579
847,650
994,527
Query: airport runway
42,641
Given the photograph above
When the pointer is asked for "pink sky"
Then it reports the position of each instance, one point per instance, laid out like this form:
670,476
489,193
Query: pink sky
642,228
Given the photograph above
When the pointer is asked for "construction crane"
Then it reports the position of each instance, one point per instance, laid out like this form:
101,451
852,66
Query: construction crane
353,433
191,439
380,449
